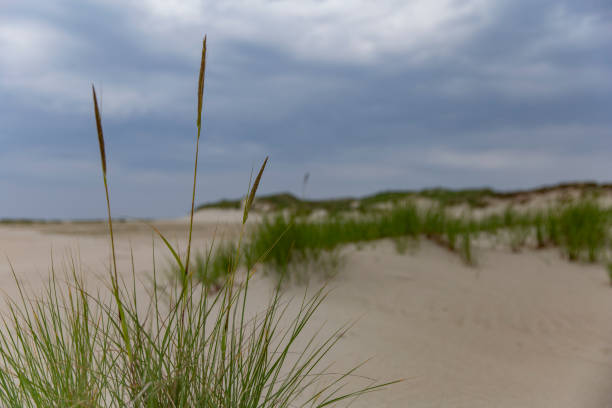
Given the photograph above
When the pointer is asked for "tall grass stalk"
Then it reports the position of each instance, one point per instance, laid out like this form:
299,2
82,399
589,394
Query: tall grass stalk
114,276
197,149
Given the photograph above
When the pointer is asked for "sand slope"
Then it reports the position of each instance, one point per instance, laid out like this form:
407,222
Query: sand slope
526,330
518,330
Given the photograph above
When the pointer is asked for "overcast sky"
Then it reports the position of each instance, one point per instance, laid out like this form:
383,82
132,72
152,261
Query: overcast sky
364,95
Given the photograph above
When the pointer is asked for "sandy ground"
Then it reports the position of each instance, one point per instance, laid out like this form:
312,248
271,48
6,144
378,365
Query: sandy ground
517,330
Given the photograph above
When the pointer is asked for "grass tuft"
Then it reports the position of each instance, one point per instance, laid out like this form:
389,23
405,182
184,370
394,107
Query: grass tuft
584,230
190,346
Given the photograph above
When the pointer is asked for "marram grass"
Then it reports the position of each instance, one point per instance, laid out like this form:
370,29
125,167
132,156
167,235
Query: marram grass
189,347
285,244
114,279
197,150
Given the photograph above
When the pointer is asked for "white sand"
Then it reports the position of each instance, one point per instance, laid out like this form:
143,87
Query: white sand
518,330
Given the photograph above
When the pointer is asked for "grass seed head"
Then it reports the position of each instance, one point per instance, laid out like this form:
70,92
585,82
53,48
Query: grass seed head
201,83
99,126
249,201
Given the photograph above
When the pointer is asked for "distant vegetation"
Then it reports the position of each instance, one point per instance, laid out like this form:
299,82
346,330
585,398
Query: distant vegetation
30,221
474,198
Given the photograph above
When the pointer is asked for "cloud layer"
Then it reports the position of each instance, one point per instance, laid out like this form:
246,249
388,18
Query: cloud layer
363,95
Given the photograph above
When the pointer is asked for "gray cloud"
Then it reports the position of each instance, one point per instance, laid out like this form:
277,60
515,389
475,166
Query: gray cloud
364,95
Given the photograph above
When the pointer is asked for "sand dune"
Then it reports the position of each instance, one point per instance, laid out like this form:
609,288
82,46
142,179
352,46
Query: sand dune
517,330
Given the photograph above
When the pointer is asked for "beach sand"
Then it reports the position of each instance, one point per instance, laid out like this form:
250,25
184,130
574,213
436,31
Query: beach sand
522,329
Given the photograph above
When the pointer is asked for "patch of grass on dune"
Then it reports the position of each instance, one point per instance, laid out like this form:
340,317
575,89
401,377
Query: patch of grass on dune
581,229
212,271
283,243
385,198
447,197
222,204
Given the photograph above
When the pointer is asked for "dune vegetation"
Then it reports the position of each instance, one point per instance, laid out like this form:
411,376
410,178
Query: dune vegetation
473,198
284,241
185,346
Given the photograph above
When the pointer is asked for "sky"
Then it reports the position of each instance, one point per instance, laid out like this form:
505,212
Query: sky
363,95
